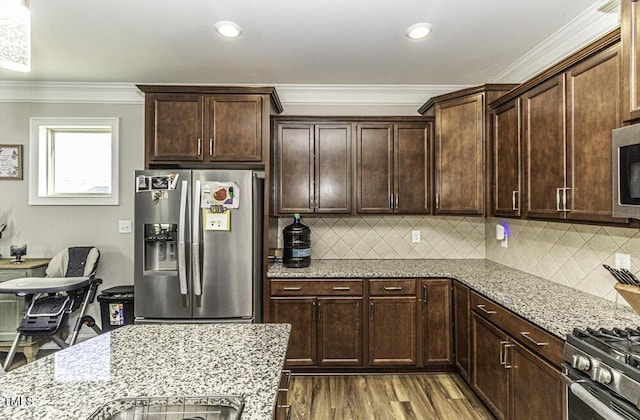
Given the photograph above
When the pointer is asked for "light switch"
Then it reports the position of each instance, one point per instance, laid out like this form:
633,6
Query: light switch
124,226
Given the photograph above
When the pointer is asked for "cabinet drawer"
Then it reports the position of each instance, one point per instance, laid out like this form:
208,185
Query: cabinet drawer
392,287
523,331
313,287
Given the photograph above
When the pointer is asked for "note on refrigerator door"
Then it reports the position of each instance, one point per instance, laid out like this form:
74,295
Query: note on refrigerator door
215,193
217,220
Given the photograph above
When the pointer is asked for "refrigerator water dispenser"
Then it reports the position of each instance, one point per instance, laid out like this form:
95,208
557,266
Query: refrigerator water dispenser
160,247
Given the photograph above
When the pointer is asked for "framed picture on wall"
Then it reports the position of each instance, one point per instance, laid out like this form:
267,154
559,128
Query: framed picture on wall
10,161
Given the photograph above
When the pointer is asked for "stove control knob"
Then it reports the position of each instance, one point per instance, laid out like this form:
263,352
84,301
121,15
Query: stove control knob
580,362
602,375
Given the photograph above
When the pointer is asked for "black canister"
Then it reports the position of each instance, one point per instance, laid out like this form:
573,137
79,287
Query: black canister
297,244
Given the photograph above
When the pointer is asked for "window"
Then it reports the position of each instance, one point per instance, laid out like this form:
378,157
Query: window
73,161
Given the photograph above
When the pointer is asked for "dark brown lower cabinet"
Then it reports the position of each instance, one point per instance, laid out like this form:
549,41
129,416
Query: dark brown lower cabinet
489,378
436,322
512,381
392,331
462,328
340,332
324,331
301,314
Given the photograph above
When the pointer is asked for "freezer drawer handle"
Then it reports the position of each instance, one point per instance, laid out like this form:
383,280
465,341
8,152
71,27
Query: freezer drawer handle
182,249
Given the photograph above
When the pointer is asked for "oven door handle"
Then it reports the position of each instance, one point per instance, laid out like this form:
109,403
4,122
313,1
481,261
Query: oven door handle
581,393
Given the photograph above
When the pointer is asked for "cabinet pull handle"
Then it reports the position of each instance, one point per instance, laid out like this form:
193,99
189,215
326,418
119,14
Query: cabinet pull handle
424,294
506,364
437,200
210,147
564,199
199,146
371,311
392,287
319,311
291,288
502,356
485,310
558,199
341,288
527,335
390,201
313,311
397,201
514,201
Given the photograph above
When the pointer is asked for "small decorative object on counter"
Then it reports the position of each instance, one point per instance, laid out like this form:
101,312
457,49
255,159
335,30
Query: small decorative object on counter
297,244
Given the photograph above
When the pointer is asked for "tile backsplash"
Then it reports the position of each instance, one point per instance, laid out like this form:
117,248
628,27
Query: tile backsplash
569,254
389,237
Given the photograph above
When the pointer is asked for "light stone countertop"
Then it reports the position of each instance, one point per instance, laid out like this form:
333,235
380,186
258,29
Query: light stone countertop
153,361
554,307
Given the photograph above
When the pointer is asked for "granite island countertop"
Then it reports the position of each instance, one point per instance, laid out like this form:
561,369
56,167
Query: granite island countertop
552,306
151,361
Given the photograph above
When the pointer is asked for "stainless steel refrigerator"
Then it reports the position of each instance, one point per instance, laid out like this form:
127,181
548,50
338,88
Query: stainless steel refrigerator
198,246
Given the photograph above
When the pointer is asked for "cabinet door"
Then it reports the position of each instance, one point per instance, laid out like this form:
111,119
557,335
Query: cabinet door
411,164
489,377
301,314
233,127
459,150
506,160
536,388
392,331
630,27
295,168
593,111
174,127
333,168
462,330
340,332
544,141
374,156
436,322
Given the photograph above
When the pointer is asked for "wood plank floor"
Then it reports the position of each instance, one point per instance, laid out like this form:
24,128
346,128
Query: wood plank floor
384,397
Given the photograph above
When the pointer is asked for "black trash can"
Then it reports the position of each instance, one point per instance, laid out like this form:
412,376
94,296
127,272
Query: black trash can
116,307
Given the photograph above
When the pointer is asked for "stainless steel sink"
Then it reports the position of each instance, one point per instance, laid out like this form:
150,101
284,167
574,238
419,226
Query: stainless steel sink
171,408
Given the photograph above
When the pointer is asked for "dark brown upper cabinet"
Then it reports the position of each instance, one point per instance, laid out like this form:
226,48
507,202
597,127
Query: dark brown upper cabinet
392,168
507,173
314,168
460,157
563,134
630,26
201,125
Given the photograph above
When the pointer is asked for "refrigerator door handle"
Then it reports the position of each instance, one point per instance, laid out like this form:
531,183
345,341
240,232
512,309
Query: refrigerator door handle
195,244
182,249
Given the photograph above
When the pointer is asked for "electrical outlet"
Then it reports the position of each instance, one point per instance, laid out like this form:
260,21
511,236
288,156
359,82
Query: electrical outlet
623,261
505,242
124,226
415,236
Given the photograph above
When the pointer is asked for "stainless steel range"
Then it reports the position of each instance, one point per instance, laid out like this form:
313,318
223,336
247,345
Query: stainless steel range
602,374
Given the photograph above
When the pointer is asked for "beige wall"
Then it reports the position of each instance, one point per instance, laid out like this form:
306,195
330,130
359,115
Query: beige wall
48,229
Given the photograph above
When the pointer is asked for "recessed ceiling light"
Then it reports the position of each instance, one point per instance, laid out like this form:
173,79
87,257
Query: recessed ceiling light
418,31
228,29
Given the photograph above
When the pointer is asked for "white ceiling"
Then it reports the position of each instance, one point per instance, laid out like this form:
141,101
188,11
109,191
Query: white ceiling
333,42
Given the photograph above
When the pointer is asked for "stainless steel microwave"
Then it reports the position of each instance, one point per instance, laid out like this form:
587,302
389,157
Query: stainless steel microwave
625,151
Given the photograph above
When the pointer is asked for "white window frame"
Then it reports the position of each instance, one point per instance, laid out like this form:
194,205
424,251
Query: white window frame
38,174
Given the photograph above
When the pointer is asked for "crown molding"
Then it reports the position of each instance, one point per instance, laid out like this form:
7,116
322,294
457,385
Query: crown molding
594,22
66,92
